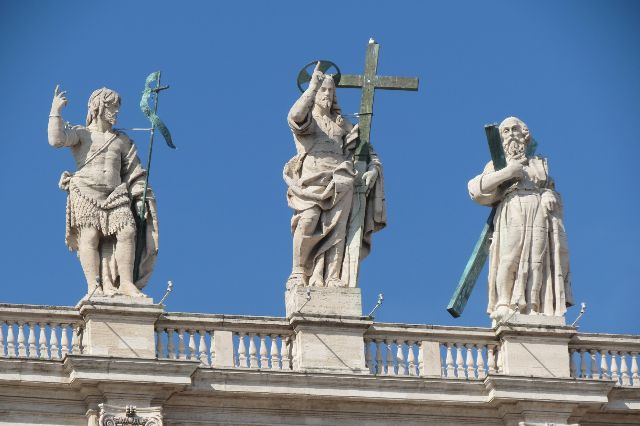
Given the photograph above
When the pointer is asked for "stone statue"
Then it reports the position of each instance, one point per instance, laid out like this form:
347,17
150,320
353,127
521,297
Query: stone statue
528,258
321,180
102,194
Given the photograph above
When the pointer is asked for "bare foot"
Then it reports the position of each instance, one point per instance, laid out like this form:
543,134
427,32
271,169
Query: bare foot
129,289
295,279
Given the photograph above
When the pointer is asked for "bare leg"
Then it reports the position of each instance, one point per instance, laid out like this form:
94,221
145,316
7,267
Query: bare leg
125,256
88,242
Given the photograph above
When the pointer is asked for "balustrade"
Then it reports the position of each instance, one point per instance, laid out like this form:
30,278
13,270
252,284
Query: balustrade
463,353
39,332
605,357
248,342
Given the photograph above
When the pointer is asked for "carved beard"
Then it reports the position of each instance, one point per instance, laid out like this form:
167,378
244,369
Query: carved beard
109,117
324,102
515,149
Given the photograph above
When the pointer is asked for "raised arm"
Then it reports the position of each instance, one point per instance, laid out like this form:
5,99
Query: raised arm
59,136
299,113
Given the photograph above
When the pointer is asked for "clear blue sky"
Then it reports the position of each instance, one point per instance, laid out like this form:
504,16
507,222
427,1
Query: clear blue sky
570,69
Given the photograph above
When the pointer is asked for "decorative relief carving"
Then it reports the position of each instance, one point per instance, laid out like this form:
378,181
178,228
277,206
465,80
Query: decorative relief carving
129,416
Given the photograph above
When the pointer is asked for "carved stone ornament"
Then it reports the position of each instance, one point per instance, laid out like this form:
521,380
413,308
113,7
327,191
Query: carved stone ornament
129,415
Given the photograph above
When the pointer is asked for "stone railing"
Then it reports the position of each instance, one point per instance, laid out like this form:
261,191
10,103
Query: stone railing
435,351
605,357
39,331
226,341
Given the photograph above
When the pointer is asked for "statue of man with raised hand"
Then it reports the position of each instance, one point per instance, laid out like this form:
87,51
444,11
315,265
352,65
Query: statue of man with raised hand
321,181
102,195
528,258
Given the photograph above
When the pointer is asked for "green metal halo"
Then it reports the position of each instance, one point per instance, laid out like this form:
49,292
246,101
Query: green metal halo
304,76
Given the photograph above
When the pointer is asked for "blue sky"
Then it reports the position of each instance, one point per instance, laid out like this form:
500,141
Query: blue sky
568,68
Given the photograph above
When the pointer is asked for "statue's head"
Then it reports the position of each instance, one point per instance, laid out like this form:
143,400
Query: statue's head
103,103
326,95
515,138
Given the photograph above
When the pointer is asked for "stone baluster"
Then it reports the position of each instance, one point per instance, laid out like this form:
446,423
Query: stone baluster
171,348
75,339
159,344
22,348
625,379
593,370
53,341
191,345
285,347
11,343
294,352
367,355
202,349
242,351
471,371
212,351
379,367
500,361
182,353
459,361
614,366
264,353
583,364
402,366
64,340
275,355
253,352
420,358
573,370
33,349
480,362
634,369
43,341
2,352
449,362
491,359
411,359
604,369
389,359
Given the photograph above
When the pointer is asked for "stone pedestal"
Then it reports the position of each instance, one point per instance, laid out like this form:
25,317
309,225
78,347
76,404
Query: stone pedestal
324,301
535,346
329,329
119,326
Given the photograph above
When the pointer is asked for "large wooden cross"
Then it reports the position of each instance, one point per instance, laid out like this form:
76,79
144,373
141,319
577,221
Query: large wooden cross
368,81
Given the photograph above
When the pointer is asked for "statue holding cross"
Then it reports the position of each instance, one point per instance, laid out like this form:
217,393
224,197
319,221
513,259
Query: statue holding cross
528,253
335,182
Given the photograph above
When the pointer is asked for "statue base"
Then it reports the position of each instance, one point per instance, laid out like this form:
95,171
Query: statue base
329,329
535,346
119,326
343,301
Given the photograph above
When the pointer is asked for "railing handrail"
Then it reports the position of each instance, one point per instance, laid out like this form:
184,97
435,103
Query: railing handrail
39,313
237,323
418,332
601,341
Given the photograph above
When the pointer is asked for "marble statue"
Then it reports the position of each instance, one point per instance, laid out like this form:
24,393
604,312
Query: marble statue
321,180
102,195
528,258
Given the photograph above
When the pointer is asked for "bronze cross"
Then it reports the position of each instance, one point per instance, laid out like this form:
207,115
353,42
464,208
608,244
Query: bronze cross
369,81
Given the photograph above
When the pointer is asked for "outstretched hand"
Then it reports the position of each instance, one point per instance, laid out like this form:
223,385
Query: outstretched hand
59,101
317,77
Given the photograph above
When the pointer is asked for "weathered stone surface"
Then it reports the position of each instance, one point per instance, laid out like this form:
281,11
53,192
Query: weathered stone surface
529,257
104,195
328,193
323,301
119,329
